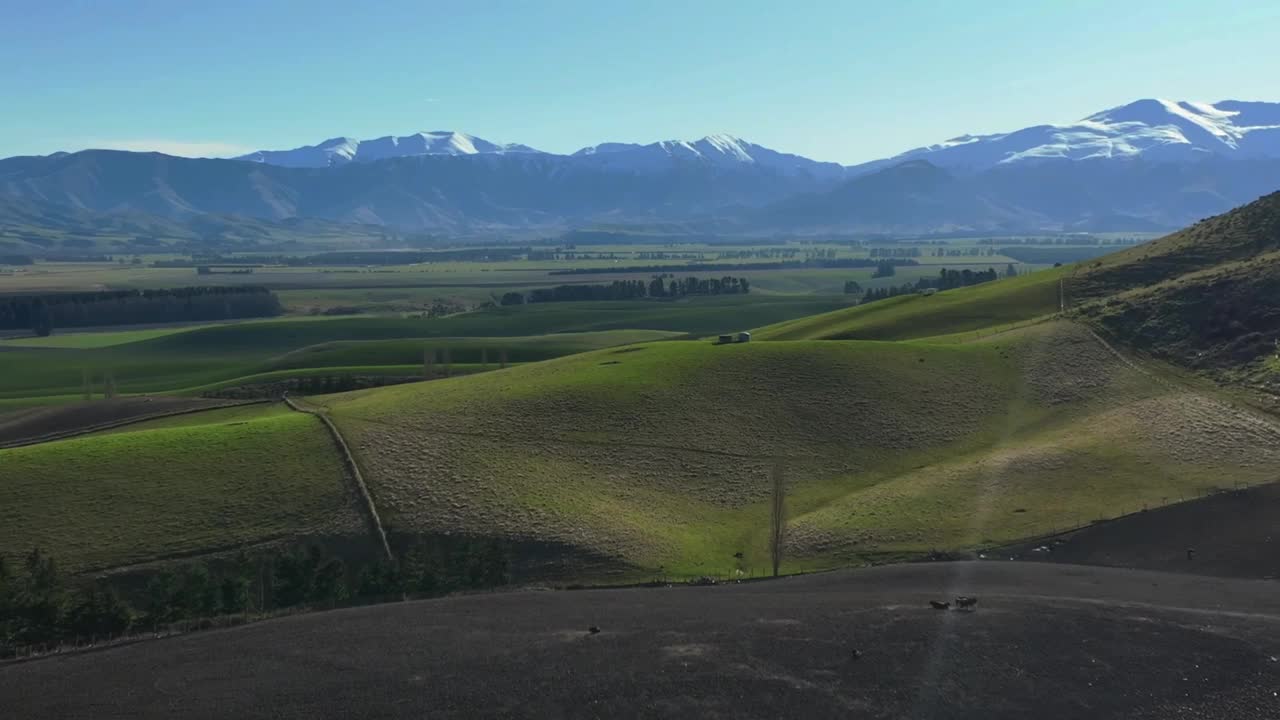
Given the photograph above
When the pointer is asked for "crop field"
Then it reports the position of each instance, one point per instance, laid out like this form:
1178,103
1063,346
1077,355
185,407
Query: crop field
415,286
658,455
177,486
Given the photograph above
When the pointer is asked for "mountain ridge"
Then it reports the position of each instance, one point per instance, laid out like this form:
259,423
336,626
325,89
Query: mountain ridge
1165,165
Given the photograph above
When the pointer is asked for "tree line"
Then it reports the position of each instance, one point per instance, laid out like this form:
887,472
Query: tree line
947,279
42,313
39,604
712,267
658,287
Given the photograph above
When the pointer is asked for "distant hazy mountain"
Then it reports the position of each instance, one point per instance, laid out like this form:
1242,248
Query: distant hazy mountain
1131,194
1149,165
1153,130
343,150
514,190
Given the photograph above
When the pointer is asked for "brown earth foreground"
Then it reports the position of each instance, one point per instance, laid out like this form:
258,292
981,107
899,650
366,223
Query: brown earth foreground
1046,641
1229,534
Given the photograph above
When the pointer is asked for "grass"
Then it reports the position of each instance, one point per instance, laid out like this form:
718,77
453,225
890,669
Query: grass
909,317
657,455
214,355
175,486
90,340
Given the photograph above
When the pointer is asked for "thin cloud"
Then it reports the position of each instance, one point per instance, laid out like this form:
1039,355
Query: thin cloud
181,148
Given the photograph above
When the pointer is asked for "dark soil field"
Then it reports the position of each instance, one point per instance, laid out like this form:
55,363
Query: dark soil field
1231,534
1045,641
21,426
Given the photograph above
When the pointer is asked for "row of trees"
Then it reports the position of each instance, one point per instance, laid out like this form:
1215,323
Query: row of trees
816,262
41,313
658,287
40,604
1067,240
947,279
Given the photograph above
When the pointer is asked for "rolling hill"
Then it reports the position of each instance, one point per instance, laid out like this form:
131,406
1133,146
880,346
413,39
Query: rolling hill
967,419
658,455
177,487
1204,298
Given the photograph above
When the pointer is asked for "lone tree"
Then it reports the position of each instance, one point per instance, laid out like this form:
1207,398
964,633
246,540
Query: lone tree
777,517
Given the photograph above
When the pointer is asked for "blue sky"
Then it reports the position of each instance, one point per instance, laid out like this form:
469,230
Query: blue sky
839,80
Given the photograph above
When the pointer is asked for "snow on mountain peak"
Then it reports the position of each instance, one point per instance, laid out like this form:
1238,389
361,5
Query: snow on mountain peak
1153,128
342,150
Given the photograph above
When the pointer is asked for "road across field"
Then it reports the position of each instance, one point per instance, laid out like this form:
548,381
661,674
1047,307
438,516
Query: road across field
1046,641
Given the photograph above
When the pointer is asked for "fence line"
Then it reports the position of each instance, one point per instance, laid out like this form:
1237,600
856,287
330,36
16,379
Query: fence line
349,461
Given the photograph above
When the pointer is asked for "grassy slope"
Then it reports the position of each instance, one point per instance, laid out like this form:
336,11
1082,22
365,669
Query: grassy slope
917,316
658,454
200,358
175,486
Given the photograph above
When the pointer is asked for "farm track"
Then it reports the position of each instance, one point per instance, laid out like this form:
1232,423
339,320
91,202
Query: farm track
89,429
353,471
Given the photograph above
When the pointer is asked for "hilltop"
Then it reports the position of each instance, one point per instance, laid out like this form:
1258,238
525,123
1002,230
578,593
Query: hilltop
1204,298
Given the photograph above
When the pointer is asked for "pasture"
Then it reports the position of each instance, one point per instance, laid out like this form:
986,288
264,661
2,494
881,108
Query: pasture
658,454
176,487
199,358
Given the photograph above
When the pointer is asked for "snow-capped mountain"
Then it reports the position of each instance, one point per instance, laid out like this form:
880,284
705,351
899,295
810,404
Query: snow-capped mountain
1155,130
343,150
713,150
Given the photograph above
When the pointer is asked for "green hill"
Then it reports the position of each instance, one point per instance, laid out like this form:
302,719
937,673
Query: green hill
909,317
658,455
1206,298
174,487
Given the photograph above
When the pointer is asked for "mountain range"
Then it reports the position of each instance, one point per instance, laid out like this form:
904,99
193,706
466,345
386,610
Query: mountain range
1148,165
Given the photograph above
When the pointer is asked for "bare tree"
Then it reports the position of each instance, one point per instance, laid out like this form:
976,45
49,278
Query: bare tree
448,369
777,517
428,363
502,359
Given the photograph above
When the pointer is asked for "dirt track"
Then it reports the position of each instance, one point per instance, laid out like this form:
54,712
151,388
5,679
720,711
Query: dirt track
1047,641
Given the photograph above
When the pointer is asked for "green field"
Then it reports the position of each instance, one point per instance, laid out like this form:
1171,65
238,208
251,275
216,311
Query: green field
657,455
199,358
177,486
619,433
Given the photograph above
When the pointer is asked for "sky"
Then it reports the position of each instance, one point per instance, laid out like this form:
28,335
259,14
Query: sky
839,80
